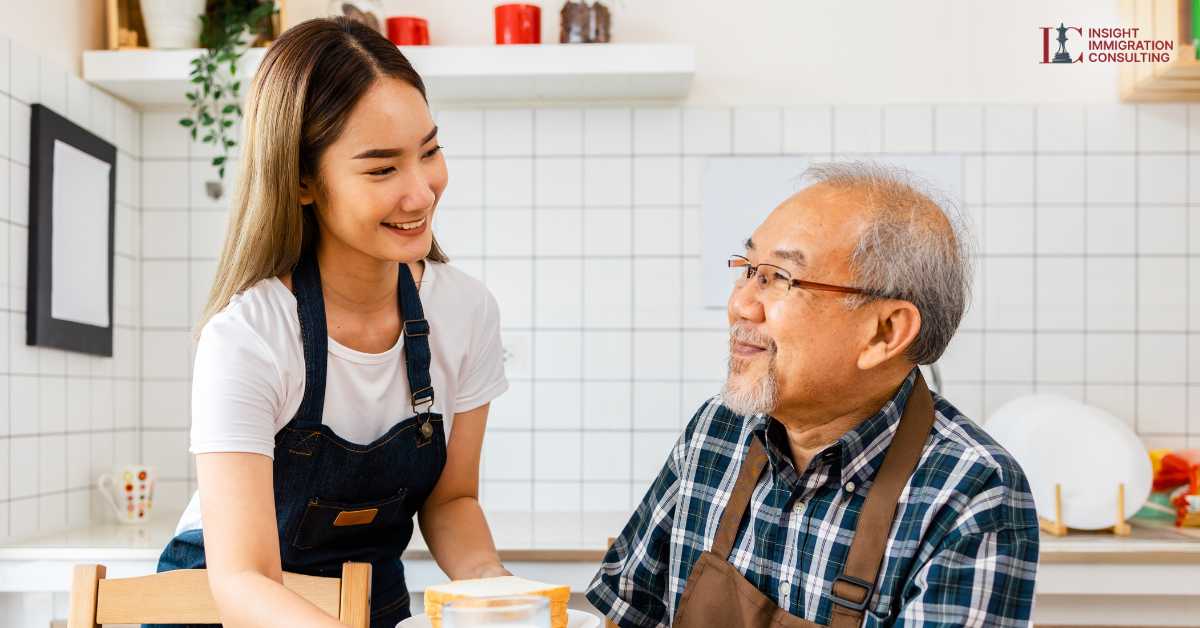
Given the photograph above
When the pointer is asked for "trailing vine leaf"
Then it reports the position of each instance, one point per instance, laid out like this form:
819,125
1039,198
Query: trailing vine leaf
214,101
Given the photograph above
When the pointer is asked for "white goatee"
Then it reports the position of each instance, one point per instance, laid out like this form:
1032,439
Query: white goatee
750,398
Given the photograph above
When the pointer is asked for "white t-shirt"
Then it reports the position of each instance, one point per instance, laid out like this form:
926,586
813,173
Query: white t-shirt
248,378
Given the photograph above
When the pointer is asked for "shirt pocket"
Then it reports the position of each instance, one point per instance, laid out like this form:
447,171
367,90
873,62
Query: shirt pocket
328,523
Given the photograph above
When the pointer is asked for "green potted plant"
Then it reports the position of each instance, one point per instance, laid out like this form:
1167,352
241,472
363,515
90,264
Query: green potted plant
228,29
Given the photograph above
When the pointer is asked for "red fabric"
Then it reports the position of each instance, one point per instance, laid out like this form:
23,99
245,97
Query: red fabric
1179,467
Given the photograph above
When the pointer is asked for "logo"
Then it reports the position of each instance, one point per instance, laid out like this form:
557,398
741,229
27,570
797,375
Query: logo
1062,56
1102,45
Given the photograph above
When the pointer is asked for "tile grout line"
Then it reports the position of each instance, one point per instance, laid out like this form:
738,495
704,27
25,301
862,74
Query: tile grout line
631,118
533,315
89,453
190,308
1137,266
7,172
882,128
969,235
682,271
984,213
40,453
933,130
582,338
1086,263
1187,279
1036,159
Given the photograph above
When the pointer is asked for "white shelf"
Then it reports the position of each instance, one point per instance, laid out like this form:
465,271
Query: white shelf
452,74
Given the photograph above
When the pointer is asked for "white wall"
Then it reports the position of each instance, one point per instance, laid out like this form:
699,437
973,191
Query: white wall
780,52
65,417
1086,211
59,30
584,222
546,203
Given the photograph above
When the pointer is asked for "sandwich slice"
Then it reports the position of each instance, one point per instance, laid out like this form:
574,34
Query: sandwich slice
438,595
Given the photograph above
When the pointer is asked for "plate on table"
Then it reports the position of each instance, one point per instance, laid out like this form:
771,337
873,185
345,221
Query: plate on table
1087,450
575,619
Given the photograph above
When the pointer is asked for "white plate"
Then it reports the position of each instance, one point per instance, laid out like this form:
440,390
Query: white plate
1085,449
575,619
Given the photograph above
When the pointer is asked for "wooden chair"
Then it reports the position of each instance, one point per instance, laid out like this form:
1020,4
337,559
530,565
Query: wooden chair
183,596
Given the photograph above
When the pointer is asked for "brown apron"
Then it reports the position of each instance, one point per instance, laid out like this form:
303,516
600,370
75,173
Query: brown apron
716,594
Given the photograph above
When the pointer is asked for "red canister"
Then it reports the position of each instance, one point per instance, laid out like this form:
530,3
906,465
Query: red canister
408,31
518,24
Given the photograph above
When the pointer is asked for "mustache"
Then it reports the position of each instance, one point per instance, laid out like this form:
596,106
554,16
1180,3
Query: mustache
748,335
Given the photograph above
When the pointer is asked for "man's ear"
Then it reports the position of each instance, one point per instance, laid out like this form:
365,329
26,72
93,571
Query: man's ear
895,327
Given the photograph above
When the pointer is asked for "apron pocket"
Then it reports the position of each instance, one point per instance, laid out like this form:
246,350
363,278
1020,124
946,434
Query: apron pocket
327,523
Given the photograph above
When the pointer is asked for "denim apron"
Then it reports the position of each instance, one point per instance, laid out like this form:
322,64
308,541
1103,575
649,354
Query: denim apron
337,501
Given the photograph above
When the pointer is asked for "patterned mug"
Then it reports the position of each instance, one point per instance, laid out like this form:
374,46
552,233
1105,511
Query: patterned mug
130,492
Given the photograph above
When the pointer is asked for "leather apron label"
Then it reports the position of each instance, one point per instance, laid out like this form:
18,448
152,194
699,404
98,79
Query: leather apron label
355,517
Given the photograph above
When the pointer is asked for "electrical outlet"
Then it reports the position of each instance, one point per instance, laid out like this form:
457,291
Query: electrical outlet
517,353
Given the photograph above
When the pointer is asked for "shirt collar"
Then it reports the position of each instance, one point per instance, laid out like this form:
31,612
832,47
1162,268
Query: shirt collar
858,452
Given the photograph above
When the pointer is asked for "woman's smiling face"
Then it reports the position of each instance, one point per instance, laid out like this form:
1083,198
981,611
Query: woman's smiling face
380,181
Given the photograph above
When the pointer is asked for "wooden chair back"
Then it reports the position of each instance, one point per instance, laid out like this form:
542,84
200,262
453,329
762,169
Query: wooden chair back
183,597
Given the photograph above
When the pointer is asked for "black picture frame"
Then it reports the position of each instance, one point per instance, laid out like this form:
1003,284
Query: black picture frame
42,328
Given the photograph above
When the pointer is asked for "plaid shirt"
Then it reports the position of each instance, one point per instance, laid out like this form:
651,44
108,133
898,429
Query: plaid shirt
963,548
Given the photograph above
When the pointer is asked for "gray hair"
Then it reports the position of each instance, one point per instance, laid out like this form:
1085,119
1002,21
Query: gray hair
915,248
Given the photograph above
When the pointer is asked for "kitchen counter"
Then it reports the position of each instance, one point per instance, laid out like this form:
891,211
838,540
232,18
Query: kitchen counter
1152,576
519,536
558,547
570,537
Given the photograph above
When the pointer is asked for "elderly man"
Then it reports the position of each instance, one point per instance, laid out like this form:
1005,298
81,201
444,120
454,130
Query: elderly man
826,485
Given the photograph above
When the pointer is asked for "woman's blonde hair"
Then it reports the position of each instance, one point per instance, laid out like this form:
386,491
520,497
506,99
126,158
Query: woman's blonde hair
309,81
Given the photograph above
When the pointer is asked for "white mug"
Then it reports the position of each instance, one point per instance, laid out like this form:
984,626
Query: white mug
130,492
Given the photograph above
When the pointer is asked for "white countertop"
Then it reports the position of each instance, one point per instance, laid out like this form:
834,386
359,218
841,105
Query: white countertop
574,542
553,547
547,536
1150,541
1152,576
545,533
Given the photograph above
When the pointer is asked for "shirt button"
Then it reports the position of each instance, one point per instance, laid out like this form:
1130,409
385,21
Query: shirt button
799,507
784,589
849,487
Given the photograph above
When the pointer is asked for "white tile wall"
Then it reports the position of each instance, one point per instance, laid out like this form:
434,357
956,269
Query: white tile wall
66,416
908,129
585,224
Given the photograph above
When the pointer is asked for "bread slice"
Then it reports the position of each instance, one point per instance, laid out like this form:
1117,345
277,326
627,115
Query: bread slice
438,595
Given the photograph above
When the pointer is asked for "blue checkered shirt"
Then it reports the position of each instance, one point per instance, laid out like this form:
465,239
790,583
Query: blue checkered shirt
963,548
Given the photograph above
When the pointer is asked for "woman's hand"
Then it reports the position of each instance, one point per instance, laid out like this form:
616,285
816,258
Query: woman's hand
493,570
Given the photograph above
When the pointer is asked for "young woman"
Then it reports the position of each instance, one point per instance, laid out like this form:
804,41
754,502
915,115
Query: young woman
343,370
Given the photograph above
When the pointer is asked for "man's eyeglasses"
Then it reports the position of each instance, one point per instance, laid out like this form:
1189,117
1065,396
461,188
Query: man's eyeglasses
777,282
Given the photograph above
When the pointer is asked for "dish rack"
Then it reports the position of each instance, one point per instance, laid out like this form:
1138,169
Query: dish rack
1058,528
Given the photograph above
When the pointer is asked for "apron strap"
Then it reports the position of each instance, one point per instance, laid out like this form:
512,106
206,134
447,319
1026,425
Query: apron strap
739,501
416,342
314,336
853,588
